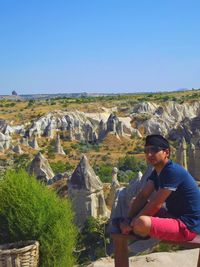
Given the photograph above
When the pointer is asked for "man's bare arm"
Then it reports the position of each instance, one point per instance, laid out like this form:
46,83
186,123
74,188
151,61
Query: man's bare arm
154,205
141,199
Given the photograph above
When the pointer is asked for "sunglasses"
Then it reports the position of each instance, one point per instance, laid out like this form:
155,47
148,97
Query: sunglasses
152,149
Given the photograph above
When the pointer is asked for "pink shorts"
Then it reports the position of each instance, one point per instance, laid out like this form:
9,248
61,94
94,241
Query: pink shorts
170,229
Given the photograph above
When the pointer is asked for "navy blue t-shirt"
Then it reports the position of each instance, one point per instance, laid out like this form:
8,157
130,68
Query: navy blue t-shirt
184,202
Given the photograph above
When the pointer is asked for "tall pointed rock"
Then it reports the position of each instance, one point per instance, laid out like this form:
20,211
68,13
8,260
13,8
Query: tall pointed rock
40,168
17,149
58,147
85,178
191,159
34,143
86,192
115,185
197,160
181,151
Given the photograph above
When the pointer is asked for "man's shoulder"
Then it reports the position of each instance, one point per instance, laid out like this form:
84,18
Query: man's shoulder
174,167
175,171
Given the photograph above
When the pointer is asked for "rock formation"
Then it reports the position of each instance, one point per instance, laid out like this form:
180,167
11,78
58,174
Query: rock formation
191,159
124,195
112,123
49,131
121,206
3,125
181,152
193,155
164,119
5,141
86,192
17,149
197,160
115,185
170,118
40,168
180,258
86,127
58,148
24,141
1,148
120,128
115,125
102,130
34,143
71,133
79,133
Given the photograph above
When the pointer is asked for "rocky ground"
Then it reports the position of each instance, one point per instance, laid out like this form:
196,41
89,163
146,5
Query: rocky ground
183,258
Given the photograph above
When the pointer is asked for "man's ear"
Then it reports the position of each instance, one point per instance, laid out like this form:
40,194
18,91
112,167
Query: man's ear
167,152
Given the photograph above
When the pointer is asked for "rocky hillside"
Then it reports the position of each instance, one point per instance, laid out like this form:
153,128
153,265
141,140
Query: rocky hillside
169,118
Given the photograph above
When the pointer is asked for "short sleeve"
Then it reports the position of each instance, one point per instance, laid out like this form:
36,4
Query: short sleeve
169,179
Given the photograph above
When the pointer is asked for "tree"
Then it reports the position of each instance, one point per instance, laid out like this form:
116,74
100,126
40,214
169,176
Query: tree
31,211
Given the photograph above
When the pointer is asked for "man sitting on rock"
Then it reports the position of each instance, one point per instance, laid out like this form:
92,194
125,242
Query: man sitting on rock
175,188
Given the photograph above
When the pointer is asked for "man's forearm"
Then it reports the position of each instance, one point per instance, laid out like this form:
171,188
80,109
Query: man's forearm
137,205
150,209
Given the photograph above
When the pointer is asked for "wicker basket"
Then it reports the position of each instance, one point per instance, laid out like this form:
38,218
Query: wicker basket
22,253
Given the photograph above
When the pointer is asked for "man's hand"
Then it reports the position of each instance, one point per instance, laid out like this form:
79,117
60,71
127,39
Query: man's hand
125,228
133,222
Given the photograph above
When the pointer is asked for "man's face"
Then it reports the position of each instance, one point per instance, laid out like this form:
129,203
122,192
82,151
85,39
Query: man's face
156,155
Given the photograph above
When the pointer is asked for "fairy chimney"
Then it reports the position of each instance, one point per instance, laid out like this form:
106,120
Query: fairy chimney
113,188
181,151
17,149
86,192
58,147
191,159
34,143
40,168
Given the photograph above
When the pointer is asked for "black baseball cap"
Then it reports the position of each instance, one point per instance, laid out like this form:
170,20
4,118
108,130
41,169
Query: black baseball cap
157,140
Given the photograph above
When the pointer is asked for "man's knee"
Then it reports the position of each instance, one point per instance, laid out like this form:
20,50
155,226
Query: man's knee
142,225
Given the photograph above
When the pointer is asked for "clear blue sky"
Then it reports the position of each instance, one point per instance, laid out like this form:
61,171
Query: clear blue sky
106,46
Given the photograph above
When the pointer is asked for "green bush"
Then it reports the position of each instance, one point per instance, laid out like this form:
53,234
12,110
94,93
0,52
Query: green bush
51,149
84,147
131,163
104,171
60,166
126,176
29,210
21,161
92,241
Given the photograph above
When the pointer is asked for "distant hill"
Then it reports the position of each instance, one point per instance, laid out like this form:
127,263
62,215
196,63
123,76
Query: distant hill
50,96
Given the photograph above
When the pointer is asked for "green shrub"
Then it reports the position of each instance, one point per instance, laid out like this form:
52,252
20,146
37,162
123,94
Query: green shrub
126,176
21,161
31,103
51,149
104,171
60,166
131,163
84,147
92,240
29,210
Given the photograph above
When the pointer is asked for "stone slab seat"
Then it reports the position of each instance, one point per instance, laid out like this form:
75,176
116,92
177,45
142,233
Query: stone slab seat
120,243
